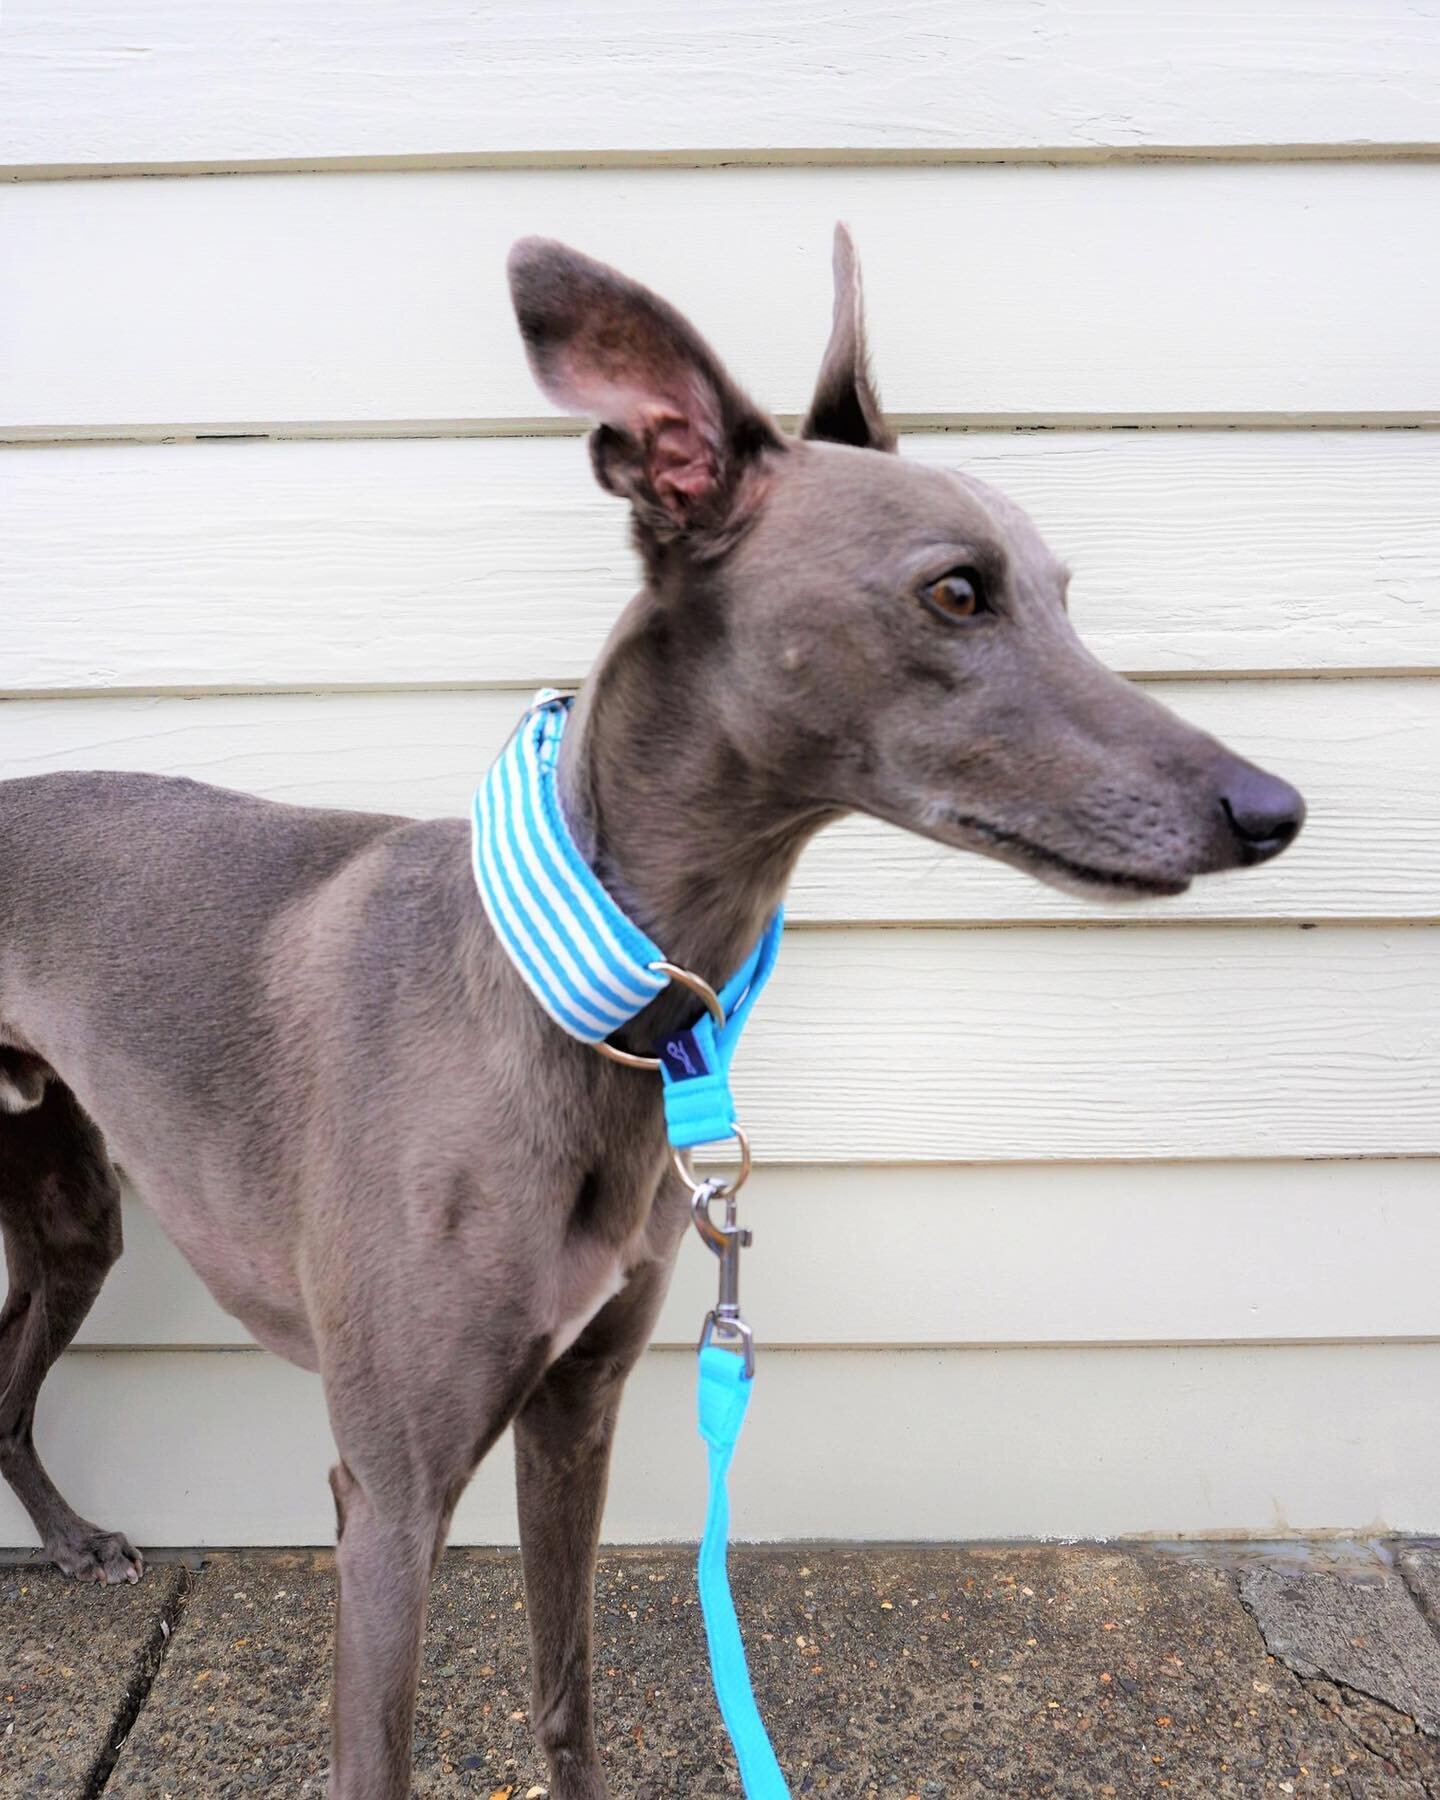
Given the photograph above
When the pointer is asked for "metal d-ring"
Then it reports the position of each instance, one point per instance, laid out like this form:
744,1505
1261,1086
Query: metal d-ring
725,1185
697,985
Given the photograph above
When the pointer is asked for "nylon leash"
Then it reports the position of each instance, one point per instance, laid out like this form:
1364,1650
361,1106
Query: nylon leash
700,1109
724,1395
593,970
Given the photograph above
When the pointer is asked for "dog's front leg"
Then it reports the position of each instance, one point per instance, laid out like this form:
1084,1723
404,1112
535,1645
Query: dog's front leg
562,1459
405,1464
384,1566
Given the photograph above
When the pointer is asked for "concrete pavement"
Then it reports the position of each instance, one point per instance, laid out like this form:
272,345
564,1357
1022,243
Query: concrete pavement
911,1674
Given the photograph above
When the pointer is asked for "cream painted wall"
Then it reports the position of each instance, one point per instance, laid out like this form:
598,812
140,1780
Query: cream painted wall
1088,1222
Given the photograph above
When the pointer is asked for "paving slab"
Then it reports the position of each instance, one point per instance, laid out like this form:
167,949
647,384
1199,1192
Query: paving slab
1420,1565
74,1662
1363,1631
906,1674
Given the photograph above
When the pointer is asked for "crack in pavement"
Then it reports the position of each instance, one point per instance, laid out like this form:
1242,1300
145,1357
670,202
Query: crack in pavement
1419,1567
1360,1715
137,1689
1363,1632
1363,1655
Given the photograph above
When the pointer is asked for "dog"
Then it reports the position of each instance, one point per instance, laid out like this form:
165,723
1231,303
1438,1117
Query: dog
298,1034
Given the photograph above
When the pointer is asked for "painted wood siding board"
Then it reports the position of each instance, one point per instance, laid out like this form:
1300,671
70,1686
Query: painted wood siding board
302,564
231,1447
1075,1254
1033,1045
181,83
1146,289
1366,754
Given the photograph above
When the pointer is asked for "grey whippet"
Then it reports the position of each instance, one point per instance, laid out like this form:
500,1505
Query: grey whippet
295,1030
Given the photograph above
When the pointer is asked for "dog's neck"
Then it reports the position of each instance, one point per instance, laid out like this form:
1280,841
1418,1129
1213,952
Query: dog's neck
693,838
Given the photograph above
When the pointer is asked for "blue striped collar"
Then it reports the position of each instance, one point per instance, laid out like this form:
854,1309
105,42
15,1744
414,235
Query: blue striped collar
586,962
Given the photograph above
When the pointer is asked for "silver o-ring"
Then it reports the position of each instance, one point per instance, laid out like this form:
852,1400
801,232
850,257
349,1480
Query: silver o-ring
729,1184
697,985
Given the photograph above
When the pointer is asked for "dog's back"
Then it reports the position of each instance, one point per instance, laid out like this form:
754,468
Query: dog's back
87,826
149,895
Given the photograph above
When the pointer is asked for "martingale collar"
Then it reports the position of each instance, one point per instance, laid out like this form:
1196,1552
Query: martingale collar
582,957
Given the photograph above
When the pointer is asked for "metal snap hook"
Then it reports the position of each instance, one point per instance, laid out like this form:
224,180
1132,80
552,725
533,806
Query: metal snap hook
734,1332
725,1322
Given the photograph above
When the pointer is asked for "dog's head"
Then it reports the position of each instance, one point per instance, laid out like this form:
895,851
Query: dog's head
885,637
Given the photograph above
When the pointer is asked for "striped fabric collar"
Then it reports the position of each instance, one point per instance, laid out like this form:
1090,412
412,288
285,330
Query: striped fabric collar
582,958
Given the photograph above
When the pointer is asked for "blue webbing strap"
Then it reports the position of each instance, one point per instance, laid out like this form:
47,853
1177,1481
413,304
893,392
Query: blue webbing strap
695,1064
724,1395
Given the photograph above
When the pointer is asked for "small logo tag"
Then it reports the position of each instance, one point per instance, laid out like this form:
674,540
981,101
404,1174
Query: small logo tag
682,1056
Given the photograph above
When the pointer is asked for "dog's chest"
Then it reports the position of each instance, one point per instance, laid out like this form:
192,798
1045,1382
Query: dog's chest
623,1219
610,1279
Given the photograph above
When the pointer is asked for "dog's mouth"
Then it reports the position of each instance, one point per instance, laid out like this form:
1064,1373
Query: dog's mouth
1037,859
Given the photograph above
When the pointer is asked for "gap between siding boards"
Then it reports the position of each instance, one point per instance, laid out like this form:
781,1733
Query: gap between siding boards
307,430
1288,920
1277,921
560,679
799,156
849,1347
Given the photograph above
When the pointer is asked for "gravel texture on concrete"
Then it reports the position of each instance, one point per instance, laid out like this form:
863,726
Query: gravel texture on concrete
909,1674
75,1661
239,1704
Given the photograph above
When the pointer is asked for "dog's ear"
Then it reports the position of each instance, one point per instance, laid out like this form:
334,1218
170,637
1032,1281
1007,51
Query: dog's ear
677,436
846,407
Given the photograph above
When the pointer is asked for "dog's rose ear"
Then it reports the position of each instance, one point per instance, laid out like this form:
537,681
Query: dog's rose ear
846,407
677,436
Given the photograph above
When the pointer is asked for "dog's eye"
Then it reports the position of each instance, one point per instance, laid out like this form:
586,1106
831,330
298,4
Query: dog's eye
958,595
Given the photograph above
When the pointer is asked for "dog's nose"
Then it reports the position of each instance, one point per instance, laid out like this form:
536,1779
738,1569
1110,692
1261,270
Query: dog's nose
1265,813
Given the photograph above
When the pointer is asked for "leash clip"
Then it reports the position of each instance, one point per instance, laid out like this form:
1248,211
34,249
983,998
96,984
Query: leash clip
725,1323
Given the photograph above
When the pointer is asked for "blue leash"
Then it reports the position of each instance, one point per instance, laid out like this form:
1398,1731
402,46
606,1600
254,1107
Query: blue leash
724,1396
700,1109
593,970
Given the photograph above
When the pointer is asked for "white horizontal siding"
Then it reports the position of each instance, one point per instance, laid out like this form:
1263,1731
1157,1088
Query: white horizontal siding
302,564
1117,1253
1152,290
82,85
1216,1133
1366,754
1108,1042
231,1447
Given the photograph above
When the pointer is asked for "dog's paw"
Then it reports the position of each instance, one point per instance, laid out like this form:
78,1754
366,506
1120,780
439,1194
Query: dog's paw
104,1556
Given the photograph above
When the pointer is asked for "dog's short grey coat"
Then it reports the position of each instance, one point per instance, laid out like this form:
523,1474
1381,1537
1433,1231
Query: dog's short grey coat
295,1031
